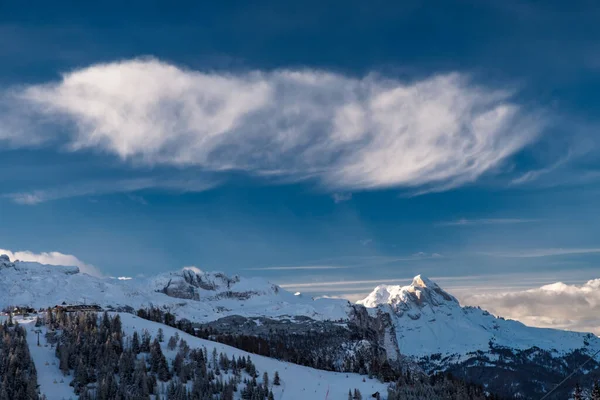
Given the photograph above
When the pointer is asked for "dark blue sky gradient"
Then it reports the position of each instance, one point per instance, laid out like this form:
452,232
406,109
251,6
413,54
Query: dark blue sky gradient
549,50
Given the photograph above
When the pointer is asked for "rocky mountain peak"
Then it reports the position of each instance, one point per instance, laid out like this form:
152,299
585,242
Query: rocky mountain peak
5,262
421,292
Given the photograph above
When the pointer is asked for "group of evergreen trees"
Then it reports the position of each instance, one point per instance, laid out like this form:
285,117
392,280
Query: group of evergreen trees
435,387
313,349
308,349
580,394
18,377
105,364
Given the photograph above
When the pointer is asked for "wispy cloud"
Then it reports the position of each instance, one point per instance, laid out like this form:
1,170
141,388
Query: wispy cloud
52,258
349,262
347,133
547,252
297,267
423,255
486,221
533,175
137,199
344,283
98,188
341,197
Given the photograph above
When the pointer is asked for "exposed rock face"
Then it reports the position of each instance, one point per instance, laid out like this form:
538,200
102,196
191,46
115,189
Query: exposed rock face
378,328
341,343
5,262
180,290
194,284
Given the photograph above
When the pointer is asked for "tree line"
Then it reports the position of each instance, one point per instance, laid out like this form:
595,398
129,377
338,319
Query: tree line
18,376
105,364
308,349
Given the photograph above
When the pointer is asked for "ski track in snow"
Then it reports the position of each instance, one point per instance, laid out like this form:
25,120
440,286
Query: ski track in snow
51,381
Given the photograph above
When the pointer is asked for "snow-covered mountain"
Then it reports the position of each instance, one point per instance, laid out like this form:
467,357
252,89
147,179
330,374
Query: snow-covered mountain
420,322
191,293
429,320
436,331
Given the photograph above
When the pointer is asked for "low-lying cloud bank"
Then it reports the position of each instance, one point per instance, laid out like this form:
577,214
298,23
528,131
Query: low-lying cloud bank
52,258
348,133
561,306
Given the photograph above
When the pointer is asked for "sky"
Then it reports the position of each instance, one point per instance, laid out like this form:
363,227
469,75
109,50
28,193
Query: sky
327,146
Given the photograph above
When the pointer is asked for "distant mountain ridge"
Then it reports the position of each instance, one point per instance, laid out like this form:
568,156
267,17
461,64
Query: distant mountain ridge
420,322
190,292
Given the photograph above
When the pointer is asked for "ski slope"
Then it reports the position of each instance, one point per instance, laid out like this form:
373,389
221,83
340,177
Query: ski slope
297,382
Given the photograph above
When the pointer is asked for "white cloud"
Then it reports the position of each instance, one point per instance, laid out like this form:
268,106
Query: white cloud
348,133
548,252
138,199
52,258
320,286
534,175
486,221
297,267
558,305
98,188
341,197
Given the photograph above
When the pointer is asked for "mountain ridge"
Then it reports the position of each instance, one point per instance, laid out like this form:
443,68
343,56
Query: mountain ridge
420,322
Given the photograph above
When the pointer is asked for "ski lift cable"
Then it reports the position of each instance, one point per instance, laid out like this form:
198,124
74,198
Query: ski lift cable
571,374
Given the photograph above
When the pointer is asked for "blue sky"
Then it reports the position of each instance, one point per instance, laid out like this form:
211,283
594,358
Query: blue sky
304,142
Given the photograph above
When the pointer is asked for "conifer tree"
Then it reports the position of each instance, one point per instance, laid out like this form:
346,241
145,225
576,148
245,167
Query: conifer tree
135,343
577,393
596,391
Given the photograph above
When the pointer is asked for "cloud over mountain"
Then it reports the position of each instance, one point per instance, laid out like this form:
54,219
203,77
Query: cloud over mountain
52,258
558,305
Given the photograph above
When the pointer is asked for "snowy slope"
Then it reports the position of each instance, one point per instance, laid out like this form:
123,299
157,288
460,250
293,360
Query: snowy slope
429,321
190,293
297,382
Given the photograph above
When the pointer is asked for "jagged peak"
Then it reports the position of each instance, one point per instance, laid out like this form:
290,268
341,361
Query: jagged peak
422,291
423,282
5,262
193,269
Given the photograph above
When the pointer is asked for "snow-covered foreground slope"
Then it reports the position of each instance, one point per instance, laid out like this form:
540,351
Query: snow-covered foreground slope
430,321
51,380
196,295
297,382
